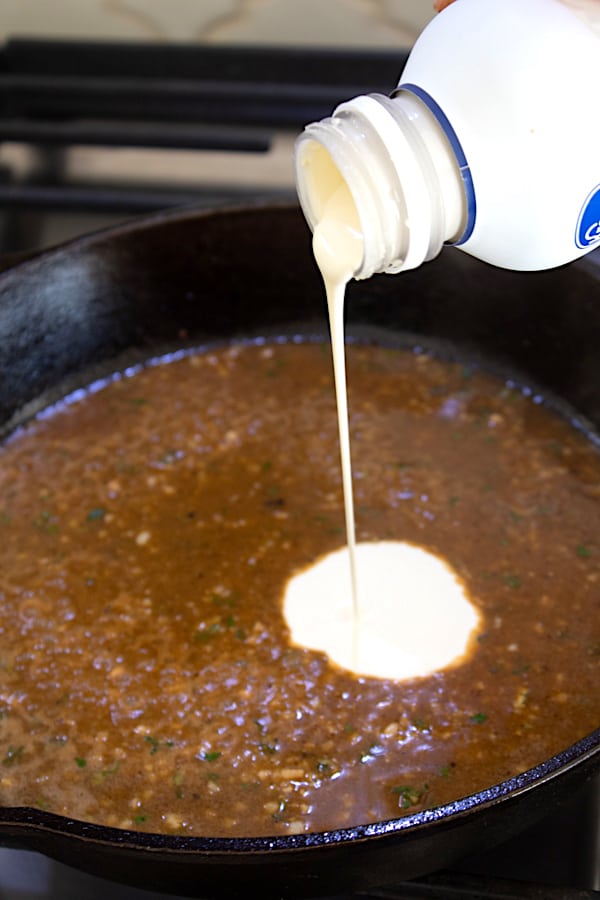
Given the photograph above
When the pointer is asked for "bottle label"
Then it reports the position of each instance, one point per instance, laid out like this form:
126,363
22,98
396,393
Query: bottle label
588,224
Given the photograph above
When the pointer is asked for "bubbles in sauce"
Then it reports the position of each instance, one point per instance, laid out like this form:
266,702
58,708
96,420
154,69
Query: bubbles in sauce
389,609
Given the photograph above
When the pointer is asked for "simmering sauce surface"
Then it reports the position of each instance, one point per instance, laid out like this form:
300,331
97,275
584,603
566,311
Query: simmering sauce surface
148,531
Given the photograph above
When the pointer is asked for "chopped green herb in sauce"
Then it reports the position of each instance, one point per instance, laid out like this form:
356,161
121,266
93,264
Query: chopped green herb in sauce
210,755
408,795
98,512
512,581
13,755
479,718
148,677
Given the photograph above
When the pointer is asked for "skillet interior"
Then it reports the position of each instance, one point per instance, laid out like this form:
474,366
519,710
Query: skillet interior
193,277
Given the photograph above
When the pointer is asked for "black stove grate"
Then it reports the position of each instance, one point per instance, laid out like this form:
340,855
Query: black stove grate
207,84
59,94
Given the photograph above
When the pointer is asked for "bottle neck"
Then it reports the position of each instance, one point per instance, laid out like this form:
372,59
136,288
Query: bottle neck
403,180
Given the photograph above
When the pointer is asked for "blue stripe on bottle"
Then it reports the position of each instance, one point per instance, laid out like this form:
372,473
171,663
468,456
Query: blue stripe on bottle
458,151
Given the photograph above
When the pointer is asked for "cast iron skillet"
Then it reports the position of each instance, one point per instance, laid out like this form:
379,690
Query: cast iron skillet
192,277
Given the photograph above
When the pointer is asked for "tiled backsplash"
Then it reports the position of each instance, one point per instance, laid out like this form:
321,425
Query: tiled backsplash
361,23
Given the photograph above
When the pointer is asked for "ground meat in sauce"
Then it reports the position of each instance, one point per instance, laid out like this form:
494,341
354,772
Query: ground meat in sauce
146,535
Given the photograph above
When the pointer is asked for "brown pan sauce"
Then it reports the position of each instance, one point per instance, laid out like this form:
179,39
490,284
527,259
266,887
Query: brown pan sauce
148,529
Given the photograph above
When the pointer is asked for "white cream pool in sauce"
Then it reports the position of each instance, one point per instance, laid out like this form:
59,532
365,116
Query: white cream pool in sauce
358,606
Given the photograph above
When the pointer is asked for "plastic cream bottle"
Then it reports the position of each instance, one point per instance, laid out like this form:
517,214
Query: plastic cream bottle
490,142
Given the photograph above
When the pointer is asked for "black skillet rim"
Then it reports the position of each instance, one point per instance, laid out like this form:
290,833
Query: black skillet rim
39,821
36,821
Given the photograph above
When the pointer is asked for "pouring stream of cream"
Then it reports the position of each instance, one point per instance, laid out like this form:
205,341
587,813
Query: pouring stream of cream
385,609
338,249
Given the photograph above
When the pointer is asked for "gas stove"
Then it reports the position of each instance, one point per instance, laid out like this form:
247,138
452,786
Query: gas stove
95,133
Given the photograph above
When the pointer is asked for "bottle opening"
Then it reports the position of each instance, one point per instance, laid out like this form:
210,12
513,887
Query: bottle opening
321,187
396,177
